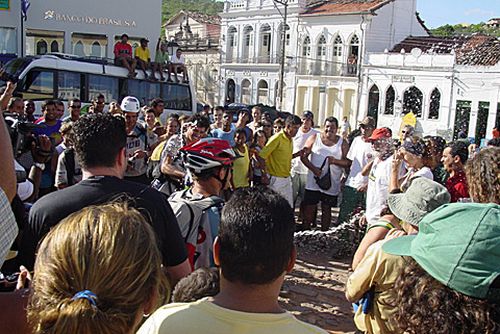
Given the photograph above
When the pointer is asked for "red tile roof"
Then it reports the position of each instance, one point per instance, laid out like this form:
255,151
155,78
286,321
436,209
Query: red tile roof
344,7
473,50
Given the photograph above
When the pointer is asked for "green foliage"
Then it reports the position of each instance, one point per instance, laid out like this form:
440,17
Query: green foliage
172,7
449,30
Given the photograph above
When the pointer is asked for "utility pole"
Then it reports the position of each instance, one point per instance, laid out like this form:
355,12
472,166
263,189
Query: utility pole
283,46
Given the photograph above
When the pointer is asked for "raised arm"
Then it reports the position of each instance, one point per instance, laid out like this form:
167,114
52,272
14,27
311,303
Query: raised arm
306,151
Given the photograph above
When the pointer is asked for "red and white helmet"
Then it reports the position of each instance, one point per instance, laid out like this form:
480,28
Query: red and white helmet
207,153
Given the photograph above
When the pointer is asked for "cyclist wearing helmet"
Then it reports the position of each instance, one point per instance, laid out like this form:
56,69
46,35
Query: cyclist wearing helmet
209,162
172,166
140,142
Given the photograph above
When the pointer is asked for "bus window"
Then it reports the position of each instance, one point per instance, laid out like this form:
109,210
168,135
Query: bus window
145,91
38,85
100,84
177,97
68,85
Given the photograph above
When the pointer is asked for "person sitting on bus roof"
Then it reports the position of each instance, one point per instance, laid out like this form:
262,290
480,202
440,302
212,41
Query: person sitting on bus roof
143,58
177,63
161,59
123,56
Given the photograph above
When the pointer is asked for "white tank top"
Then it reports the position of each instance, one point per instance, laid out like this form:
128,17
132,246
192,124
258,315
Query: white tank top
319,152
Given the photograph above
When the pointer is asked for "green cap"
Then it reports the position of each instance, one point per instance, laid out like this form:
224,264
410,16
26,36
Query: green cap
459,245
421,197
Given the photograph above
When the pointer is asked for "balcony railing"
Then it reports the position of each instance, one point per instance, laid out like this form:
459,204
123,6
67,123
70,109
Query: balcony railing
265,59
318,67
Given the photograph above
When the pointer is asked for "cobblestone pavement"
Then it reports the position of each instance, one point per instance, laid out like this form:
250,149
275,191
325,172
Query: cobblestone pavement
314,292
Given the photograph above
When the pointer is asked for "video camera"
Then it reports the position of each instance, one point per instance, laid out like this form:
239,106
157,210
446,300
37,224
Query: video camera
5,76
21,133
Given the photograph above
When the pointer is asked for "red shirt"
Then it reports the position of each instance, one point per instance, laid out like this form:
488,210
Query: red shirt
457,186
123,50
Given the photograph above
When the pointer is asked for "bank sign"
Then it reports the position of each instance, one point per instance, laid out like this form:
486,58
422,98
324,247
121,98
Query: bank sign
52,15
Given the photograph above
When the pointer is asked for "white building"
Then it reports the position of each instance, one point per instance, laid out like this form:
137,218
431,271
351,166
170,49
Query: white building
452,85
198,35
325,43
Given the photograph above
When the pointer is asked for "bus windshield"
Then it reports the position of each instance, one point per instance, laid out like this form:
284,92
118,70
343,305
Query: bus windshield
15,67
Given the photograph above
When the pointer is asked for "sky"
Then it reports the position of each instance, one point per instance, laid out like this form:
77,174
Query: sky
436,13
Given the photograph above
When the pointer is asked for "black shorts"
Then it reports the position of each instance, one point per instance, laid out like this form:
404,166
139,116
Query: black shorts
313,197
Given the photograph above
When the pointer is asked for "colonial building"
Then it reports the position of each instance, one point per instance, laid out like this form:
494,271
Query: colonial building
198,36
452,85
325,43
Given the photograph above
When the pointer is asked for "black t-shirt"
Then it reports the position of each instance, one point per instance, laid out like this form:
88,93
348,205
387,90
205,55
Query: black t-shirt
52,208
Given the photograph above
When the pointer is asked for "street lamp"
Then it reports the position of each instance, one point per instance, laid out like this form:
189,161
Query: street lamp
172,47
283,45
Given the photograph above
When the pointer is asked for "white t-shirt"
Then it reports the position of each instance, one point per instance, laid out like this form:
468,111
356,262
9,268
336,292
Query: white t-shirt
412,174
141,139
175,60
298,143
378,188
360,153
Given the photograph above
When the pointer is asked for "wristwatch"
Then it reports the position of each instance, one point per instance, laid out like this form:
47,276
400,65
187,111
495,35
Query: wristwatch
40,165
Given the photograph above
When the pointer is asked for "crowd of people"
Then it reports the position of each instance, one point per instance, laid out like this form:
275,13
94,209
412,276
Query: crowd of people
108,218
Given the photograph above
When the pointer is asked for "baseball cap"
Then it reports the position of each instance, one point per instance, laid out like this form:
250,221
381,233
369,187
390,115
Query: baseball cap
130,104
308,114
368,121
380,133
144,40
422,196
124,35
458,245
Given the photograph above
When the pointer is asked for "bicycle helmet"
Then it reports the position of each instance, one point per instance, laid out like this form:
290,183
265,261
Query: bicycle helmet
130,104
207,153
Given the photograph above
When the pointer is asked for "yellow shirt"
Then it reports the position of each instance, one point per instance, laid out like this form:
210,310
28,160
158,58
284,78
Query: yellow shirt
156,155
377,270
278,154
203,316
240,169
142,54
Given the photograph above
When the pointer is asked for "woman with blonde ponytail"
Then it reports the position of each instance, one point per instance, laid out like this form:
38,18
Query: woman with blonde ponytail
98,271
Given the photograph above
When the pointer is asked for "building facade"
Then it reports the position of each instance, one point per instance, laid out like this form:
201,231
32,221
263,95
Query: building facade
452,85
86,28
325,43
198,36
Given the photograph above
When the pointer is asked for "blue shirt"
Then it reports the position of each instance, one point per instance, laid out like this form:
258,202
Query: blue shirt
229,136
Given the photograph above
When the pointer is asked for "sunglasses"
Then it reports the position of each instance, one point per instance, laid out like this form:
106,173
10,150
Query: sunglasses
75,106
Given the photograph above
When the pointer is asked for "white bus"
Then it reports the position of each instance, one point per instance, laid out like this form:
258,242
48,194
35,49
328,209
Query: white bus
64,77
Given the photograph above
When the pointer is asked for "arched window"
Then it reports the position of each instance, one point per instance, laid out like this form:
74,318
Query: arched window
246,93
373,100
390,98
337,47
265,43
78,49
262,92
54,46
96,49
354,46
435,104
247,43
321,50
412,101
230,90
41,47
231,37
306,47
